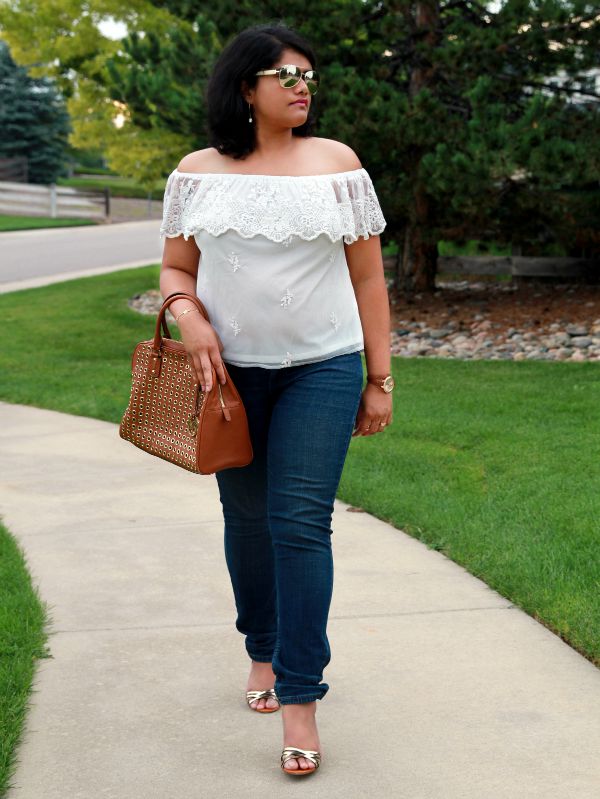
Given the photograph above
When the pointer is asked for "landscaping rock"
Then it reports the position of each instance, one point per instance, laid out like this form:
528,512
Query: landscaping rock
441,332
577,330
563,353
581,342
560,339
149,304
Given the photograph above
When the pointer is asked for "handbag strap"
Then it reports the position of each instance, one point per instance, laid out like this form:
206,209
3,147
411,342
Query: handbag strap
161,322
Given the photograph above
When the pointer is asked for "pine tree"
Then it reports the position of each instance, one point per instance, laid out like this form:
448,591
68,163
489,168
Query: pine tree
492,147
33,121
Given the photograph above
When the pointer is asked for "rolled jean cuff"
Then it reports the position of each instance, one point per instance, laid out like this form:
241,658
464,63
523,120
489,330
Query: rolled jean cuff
298,700
259,648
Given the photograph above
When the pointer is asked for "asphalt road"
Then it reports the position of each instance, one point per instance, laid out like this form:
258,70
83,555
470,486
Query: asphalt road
35,257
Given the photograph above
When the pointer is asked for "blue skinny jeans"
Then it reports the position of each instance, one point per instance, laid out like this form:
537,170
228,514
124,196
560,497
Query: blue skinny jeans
277,513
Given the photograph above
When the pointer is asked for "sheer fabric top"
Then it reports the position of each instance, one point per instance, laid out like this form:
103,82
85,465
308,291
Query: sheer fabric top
273,273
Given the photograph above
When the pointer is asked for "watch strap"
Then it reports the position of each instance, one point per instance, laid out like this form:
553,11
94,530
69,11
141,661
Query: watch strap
377,380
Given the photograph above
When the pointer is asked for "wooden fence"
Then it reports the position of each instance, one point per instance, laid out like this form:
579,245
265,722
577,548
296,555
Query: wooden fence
30,199
519,266
516,266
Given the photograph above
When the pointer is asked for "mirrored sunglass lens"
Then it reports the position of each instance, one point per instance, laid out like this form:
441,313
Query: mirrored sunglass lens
312,81
289,76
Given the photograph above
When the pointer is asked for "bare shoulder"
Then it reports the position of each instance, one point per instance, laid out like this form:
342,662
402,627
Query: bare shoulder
207,160
338,156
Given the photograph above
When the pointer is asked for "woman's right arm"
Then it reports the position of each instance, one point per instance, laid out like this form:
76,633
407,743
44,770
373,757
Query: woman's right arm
179,272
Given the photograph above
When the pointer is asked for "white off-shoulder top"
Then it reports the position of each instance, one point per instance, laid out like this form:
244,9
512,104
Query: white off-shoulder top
273,273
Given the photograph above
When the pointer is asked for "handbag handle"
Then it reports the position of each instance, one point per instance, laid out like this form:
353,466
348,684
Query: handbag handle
161,322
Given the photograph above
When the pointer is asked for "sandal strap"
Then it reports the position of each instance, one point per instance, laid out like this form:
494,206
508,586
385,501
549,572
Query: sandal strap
293,752
252,696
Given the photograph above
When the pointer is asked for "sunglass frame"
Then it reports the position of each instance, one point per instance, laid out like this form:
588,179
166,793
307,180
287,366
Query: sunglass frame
301,74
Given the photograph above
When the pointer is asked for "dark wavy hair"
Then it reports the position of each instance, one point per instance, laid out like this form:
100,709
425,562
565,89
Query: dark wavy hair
255,48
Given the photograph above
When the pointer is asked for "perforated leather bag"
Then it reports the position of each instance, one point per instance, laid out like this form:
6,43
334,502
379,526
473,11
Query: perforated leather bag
168,414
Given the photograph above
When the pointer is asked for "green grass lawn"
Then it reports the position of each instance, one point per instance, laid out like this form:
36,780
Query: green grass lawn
471,247
23,618
496,464
32,222
78,337
119,186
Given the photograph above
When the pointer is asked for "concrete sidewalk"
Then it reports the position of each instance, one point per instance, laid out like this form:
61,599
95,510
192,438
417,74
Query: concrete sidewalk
440,688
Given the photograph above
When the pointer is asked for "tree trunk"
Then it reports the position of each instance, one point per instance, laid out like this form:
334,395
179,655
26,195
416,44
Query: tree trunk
419,260
397,281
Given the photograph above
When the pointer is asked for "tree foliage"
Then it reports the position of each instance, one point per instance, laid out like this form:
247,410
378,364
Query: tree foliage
473,122
33,120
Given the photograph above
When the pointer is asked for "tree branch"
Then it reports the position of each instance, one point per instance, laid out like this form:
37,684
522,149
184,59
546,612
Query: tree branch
566,89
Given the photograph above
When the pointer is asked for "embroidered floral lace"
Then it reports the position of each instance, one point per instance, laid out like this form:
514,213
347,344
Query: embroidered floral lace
275,206
273,273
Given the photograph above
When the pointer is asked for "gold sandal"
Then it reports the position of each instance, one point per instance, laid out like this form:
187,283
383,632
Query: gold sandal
252,696
293,752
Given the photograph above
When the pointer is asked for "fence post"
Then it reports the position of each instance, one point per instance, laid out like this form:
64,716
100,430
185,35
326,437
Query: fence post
107,203
53,200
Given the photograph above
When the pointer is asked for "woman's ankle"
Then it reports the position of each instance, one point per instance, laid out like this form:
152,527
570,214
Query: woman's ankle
300,710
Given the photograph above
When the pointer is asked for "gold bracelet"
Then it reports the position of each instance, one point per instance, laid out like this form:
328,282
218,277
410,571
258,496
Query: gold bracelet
183,313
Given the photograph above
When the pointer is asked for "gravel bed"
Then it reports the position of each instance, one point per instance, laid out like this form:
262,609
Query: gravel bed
482,339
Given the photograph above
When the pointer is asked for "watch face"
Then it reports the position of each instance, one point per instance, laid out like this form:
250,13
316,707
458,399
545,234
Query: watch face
388,384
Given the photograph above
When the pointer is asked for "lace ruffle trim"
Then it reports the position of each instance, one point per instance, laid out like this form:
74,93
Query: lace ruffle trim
341,205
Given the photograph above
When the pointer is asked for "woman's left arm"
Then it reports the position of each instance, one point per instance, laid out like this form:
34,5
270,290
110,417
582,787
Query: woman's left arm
365,264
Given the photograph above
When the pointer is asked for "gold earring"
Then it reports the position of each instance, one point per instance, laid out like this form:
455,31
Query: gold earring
250,113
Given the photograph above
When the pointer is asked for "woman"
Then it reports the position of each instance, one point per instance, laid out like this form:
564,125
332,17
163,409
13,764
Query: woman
276,230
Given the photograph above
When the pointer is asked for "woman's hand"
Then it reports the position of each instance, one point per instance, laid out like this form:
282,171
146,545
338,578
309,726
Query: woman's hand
374,413
203,345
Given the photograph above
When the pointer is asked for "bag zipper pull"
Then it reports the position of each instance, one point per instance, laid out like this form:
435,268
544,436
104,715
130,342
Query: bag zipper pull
225,410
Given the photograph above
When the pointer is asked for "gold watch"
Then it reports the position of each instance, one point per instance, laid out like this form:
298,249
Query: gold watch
385,382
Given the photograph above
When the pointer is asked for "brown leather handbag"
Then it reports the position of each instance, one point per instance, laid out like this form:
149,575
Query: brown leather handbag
171,417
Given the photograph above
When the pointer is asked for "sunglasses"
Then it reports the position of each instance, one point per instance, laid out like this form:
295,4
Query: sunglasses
290,75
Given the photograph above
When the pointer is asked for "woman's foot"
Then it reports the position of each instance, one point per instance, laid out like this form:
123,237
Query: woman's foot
300,730
261,678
